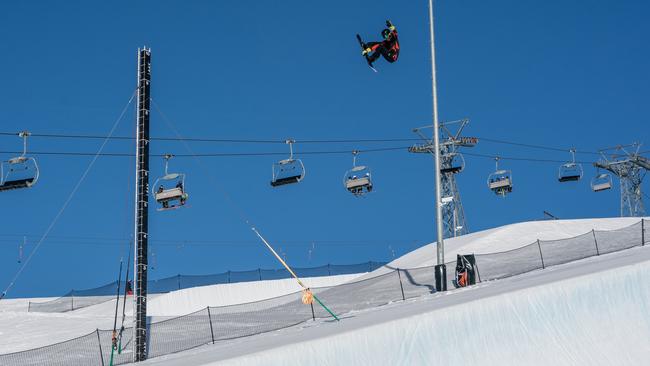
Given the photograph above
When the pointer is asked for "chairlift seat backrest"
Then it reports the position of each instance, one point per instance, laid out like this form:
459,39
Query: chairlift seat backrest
169,194
601,186
569,178
358,182
16,184
287,180
500,183
601,182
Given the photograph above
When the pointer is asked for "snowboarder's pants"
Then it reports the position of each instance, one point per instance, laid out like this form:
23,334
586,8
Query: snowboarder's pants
380,50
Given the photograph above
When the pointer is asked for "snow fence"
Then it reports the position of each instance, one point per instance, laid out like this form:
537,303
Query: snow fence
77,299
218,324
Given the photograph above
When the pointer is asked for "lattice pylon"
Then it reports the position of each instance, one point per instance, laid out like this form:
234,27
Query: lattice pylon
453,215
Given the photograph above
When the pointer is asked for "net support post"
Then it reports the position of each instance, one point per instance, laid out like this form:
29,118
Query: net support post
595,241
401,287
99,342
642,232
441,277
210,320
541,256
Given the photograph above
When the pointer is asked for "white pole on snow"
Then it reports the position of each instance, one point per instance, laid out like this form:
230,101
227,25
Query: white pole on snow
440,243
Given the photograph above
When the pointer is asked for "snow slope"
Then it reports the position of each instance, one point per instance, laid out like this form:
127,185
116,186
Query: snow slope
590,312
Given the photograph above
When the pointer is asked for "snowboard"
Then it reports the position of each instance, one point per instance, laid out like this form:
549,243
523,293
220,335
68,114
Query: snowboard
363,47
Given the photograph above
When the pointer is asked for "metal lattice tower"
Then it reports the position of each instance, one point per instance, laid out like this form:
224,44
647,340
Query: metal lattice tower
451,163
630,168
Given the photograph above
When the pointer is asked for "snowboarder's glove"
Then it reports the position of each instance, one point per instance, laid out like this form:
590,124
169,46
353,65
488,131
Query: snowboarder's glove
366,51
390,25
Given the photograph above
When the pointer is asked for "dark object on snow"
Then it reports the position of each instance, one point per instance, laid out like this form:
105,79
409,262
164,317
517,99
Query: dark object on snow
466,271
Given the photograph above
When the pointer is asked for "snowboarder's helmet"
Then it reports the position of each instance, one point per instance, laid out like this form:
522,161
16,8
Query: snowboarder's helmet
385,33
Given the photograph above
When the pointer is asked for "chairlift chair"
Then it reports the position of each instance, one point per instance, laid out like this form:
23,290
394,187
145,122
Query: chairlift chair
500,182
455,163
170,189
601,182
289,170
358,180
19,172
571,171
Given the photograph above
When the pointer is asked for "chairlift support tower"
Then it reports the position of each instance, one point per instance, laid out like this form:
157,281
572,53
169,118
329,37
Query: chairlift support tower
625,163
453,214
142,204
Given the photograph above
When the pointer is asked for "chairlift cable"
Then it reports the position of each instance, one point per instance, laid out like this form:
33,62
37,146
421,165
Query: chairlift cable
68,200
537,160
532,146
200,139
305,141
267,153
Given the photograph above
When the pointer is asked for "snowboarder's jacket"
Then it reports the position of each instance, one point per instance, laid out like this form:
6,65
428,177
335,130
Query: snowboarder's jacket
389,47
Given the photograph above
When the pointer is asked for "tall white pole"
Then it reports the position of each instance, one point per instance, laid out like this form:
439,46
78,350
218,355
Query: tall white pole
436,143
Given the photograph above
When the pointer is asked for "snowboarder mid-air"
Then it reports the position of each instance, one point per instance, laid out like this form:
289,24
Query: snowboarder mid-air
389,47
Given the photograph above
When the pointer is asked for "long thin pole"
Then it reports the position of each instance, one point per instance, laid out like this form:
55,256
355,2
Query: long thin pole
142,205
436,143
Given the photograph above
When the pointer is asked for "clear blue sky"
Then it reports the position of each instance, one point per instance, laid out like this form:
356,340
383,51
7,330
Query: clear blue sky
551,73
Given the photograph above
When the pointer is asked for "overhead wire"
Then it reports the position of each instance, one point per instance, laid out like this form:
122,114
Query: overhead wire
225,154
305,141
66,202
537,160
532,146
200,139
273,153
